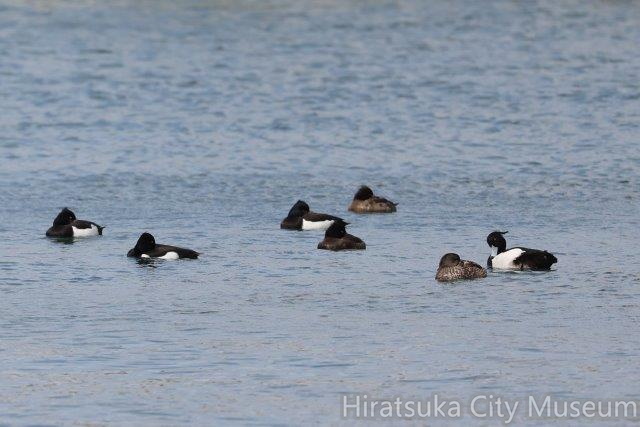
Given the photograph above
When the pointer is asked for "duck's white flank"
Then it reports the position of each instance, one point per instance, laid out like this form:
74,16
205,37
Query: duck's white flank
85,232
505,260
170,255
316,225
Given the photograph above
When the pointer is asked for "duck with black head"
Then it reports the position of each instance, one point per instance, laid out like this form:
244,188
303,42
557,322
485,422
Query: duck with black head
66,225
146,247
517,258
365,201
336,238
452,268
300,217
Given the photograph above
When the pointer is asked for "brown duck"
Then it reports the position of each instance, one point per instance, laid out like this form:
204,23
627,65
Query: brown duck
453,268
336,238
366,202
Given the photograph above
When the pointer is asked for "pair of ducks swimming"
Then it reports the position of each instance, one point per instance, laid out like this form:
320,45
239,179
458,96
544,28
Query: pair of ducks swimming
66,225
336,238
451,267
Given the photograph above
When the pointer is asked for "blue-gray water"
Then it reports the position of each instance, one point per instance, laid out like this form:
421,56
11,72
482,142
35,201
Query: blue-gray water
202,122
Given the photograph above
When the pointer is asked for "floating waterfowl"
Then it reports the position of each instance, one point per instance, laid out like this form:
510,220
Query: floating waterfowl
336,238
451,268
517,258
300,217
66,225
146,247
365,201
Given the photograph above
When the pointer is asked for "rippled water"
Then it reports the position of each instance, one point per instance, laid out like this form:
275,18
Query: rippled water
203,122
